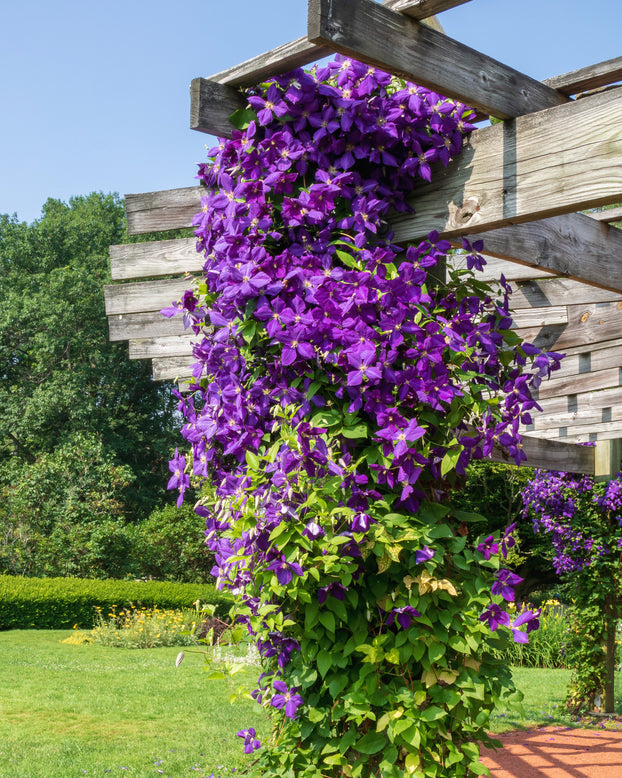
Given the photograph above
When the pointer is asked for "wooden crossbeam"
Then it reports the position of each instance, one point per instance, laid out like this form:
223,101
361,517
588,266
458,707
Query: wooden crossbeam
169,209
592,77
301,52
589,361
610,215
586,417
144,296
172,346
155,258
574,245
495,268
384,39
552,455
422,9
143,325
582,401
502,176
579,433
583,382
596,323
545,292
172,367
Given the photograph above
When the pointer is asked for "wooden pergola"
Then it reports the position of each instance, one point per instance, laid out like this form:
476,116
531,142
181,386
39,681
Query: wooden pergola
518,185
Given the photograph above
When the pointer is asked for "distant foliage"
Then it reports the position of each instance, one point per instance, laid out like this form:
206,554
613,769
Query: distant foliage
61,603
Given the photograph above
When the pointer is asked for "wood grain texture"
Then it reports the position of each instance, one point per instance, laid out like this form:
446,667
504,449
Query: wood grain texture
155,258
169,209
549,163
591,77
390,41
557,291
144,325
281,59
595,323
422,9
551,454
172,346
586,401
589,361
610,215
172,368
585,417
574,245
575,384
211,105
144,296
496,267
540,317
581,433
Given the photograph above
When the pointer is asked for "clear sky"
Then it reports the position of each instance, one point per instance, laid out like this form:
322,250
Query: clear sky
94,96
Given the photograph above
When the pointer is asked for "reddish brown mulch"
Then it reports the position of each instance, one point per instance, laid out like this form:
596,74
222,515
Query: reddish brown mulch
558,752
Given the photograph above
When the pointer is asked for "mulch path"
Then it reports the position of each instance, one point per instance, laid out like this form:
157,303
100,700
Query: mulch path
558,752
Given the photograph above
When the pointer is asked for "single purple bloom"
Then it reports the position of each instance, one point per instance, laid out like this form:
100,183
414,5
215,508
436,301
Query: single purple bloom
424,554
251,743
403,615
286,698
494,616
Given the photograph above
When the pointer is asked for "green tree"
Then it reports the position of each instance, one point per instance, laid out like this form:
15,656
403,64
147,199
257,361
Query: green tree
59,374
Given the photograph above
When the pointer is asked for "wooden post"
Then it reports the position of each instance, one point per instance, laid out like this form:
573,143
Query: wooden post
607,466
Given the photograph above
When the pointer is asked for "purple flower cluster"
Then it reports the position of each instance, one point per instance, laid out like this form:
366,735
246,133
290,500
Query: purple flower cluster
310,318
576,516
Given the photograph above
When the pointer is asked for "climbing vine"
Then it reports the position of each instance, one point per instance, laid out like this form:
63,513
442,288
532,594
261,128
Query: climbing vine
342,384
584,522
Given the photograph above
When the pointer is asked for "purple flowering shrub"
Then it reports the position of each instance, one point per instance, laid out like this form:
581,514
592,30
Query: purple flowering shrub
342,384
584,522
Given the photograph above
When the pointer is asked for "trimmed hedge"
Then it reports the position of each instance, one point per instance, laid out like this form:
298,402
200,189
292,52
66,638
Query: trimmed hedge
61,603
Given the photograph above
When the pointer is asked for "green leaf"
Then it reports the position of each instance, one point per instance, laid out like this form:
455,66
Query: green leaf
358,431
348,260
433,713
371,743
328,620
252,460
324,662
242,118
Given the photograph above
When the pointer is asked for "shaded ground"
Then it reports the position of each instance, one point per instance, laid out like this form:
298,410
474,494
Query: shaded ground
559,752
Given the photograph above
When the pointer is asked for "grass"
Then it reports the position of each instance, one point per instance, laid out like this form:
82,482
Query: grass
68,710
74,710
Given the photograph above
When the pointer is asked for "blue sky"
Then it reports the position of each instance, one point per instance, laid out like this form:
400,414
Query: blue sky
94,96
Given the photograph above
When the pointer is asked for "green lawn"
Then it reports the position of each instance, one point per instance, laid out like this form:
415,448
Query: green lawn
69,710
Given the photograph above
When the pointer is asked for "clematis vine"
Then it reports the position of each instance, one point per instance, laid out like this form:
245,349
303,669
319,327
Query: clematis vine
342,384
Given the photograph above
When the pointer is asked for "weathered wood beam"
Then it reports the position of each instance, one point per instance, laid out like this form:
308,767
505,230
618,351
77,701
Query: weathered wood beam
551,454
557,291
390,41
586,401
595,323
578,434
587,417
169,209
172,367
592,77
502,176
172,346
574,245
156,258
144,296
524,318
610,215
422,9
301,52
583,382
495,268
588,361
211,105
130,326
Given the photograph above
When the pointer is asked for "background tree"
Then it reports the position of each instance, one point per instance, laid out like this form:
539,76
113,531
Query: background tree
60,375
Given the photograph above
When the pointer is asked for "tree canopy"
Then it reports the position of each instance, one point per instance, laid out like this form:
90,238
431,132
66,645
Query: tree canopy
60,375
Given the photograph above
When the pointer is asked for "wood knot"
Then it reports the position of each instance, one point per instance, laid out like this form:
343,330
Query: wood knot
462,214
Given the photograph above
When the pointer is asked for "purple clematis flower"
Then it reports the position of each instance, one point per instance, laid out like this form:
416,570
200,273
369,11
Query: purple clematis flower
424,554
505,583
286,698
285,570
403,616
251,743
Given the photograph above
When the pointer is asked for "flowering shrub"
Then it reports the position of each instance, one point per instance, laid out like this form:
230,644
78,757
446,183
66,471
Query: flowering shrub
341,387
584,521
139,627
